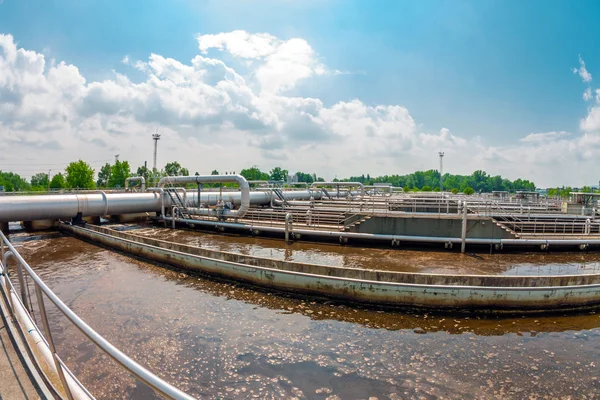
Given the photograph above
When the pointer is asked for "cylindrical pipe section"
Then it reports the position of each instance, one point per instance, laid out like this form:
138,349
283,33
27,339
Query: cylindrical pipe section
342,184
32,208
239,179
136,179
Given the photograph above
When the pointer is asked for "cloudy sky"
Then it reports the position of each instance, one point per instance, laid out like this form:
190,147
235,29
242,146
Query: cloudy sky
336,87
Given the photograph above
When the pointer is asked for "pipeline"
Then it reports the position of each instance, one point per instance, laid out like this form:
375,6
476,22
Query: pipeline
52,207
338,184
198,179
135,179
383,188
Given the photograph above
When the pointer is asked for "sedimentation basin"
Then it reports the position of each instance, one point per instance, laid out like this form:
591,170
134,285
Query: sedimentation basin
217,339
347,217
350,218
462,292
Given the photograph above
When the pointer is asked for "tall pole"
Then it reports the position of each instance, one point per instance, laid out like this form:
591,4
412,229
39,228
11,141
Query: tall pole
156,138
49,179
441,153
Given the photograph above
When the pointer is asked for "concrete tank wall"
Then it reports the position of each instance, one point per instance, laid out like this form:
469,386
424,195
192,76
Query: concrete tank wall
448,226
458,292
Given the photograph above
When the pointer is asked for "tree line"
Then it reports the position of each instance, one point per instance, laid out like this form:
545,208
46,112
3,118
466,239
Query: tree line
478,181
80,175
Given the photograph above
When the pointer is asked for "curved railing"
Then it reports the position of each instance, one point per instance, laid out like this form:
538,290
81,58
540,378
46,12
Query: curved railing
20,303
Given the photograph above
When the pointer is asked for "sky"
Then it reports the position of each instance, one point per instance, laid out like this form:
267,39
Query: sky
334,87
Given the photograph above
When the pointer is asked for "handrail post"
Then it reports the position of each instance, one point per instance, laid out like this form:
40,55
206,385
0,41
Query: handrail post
151,380
6,280
463,238
61,374
24,298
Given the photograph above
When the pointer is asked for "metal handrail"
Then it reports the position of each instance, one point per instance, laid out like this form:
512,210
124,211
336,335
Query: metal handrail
156,383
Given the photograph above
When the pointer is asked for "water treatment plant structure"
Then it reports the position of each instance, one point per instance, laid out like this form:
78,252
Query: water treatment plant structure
338,211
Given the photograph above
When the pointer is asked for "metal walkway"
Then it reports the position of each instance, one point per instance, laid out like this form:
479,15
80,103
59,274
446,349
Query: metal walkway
15,382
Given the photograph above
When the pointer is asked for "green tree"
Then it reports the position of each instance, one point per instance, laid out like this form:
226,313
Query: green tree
80,175
214,172
118,173
13,182
278,174
39,180
586,189
104,175
302,177
426,188
468,191
145,172
175,169
480,181
254,174
58,181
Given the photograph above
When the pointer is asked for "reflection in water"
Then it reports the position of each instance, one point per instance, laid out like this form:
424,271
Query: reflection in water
383,258
223,340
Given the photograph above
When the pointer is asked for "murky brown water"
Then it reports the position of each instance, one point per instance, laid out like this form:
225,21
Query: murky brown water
383,258
221,340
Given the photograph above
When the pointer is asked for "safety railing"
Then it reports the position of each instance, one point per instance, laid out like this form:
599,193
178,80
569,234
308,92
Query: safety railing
21,308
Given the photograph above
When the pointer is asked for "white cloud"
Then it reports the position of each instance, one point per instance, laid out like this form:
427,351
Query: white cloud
587,95
213,116
591,123
543,137
240,43
281,63
582,71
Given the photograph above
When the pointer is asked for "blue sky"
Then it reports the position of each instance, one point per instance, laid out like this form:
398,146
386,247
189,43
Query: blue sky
490,72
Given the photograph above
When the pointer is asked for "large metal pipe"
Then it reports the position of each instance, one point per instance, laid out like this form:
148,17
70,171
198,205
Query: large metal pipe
259,183
31,208
338,184
303,184
387,188
135,179
219,212
52,207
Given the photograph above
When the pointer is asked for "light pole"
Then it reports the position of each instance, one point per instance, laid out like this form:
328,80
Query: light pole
49,179
156,138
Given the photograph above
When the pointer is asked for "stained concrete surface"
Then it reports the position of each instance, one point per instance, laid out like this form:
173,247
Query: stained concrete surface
15,383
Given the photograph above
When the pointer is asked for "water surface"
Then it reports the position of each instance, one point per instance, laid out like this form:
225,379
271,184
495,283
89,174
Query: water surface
222,340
